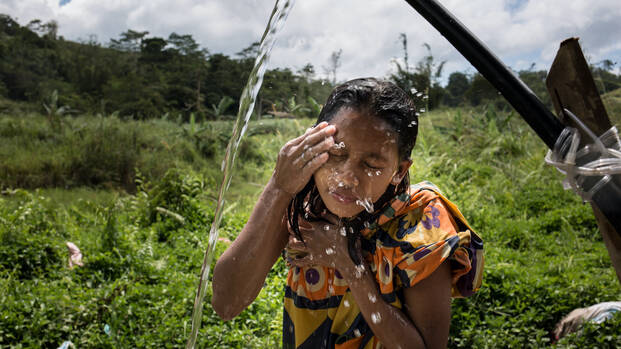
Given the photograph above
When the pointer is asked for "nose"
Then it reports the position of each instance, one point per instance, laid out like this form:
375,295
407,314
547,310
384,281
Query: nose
347,176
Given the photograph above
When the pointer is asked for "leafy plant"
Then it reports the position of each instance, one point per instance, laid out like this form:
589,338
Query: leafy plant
55,112
224,104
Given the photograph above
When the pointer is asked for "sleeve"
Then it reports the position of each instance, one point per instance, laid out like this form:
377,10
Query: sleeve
435,238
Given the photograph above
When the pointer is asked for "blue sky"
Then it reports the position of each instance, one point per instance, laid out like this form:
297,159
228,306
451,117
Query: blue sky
520,32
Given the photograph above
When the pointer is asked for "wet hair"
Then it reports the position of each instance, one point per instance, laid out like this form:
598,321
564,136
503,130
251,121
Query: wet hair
373,97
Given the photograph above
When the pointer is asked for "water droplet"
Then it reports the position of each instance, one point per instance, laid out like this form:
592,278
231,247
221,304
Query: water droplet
306,215
366,204
425,97
422,110
346,303
343,231
377,173
329,251
339,145
376,318
326,227
341,185
366,224
359,269
419,94
412,124
357,333
413,91
369,173
372,297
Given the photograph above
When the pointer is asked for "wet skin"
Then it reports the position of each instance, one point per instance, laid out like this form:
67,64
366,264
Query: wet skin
364,167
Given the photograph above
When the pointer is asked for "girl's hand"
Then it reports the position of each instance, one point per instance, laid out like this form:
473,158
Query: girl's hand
324,243
301,157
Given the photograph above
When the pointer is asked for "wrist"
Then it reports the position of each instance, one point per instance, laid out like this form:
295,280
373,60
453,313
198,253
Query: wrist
278,192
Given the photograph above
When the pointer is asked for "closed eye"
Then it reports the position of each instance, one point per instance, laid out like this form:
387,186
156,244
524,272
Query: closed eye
372,167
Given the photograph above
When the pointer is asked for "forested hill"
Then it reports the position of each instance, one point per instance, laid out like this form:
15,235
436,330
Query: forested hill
138,75
143,76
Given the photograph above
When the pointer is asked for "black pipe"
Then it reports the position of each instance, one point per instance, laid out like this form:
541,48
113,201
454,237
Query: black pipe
527,104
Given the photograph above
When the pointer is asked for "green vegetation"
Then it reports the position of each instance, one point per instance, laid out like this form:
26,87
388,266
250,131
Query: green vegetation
143,250
117,148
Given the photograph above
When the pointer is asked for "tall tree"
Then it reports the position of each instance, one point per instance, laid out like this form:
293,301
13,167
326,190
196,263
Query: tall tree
333,65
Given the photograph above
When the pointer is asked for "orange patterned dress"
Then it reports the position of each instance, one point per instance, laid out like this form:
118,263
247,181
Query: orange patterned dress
412,236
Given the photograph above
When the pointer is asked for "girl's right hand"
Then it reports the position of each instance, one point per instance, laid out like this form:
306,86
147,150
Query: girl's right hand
301,157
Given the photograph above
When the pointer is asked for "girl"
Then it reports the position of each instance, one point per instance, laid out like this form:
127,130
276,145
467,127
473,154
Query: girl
373,261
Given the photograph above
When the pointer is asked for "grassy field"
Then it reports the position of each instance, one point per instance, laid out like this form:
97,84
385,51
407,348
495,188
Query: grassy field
101,181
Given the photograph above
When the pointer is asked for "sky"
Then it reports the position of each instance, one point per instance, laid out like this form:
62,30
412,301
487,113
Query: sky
519,32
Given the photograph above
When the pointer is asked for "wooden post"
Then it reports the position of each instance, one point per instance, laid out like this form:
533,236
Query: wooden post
571,86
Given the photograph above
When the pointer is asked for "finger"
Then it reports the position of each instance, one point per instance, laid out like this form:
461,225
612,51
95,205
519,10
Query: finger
302,262
330,217
298,246
313,165
313,152
293,239
325,145
313,138
316,137
309,131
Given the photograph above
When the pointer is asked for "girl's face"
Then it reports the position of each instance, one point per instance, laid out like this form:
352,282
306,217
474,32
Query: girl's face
363,162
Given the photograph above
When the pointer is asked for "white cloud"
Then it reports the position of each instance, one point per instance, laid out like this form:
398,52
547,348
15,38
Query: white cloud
519,31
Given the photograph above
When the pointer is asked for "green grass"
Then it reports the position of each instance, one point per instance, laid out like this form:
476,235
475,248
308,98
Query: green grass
544,255
612,102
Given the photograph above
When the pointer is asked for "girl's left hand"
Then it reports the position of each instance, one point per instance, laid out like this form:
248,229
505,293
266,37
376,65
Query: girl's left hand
324,243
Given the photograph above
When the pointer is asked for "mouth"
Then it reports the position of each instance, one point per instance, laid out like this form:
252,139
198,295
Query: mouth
344,197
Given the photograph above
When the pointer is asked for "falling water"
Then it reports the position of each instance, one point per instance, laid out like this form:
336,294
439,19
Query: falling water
366,203
246,106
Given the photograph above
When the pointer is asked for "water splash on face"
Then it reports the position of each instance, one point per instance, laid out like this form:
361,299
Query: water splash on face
366,204
340,145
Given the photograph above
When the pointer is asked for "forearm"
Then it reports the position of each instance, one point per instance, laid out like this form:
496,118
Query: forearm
240,272
390,324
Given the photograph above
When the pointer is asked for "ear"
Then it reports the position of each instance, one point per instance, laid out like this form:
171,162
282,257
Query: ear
402,171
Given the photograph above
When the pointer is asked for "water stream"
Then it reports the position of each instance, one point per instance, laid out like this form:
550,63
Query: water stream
246,105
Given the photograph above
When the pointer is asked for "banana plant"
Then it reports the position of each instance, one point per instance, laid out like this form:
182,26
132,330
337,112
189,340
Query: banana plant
223,105
54,112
